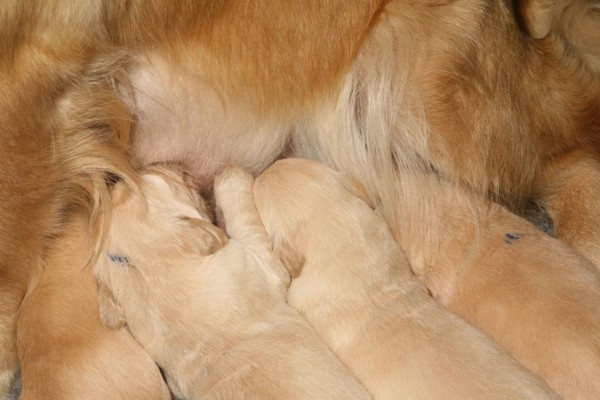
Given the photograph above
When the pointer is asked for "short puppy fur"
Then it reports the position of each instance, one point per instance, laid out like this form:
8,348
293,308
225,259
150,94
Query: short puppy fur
354,285
531,293
209,310
371,87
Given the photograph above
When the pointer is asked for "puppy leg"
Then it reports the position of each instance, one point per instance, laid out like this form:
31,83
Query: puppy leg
233,195
570,189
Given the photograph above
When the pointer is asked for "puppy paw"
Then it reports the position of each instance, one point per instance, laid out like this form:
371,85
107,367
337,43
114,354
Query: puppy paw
235,200
230,184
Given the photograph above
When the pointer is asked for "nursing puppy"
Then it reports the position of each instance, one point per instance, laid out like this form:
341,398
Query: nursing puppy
65,352
354,285
529,292
368,86
210,311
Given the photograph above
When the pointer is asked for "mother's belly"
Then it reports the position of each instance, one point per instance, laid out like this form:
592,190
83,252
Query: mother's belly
179,117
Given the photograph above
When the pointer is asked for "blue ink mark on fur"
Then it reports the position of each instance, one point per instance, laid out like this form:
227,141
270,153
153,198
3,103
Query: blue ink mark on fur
123,260
512,237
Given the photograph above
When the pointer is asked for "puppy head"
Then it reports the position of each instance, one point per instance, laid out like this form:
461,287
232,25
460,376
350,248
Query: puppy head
167,215
163,221
296,198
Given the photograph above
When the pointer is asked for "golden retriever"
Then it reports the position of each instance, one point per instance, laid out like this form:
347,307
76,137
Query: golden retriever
353,283
211,312
65,352
495,95
531,293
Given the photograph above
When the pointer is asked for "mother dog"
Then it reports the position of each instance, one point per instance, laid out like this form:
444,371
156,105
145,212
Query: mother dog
497,98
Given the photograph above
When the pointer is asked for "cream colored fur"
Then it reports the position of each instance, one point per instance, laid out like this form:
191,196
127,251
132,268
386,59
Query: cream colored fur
462,88
353,283
211,311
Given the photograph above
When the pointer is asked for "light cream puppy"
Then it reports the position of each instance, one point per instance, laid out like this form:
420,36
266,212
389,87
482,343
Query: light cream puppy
211,312
354,285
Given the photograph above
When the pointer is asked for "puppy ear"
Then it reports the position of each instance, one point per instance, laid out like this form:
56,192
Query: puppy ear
358,189
537,16
207,237
111,313
291,258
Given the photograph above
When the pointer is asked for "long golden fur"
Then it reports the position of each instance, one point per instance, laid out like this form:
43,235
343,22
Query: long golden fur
354,285
209,310
487,95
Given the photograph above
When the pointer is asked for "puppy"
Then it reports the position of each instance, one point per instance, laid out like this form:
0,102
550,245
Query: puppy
370,87
65,352
530,292
353,283
211,311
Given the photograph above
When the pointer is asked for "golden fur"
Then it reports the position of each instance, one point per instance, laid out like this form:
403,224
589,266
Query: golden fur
353,283
212,315
485,96
577,22
64,350
529,292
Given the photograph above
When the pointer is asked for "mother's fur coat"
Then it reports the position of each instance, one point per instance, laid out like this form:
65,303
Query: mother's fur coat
500,97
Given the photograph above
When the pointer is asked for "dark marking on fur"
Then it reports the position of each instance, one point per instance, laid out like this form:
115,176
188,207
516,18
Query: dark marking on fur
537,214
123,260
512,237
111,179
